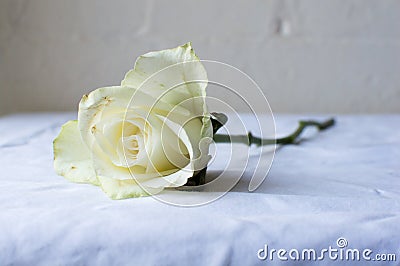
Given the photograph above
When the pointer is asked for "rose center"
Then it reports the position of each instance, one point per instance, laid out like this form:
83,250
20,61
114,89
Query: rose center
132,145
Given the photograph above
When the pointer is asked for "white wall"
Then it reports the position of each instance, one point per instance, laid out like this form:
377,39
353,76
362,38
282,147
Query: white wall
307,55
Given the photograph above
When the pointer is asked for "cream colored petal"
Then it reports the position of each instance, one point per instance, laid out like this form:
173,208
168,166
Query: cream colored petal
200,139
158,72
196,138
180,177
91,108
72,159
177,179
165,153
111,103
123,189
105,167
171,177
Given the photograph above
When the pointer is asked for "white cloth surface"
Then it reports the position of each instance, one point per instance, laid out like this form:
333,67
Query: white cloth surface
343,182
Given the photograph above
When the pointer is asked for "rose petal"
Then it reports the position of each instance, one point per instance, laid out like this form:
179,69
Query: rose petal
160,71
112,103
122,189
72,159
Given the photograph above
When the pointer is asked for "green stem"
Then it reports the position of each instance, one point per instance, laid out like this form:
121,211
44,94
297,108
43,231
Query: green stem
249,139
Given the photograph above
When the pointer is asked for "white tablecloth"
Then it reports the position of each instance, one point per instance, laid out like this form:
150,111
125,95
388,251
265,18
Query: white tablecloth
344,182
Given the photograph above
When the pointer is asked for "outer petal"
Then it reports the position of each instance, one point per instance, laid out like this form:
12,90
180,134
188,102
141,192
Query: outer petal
180,177
122,189
91,108
160,71
72,159
148,64
195,140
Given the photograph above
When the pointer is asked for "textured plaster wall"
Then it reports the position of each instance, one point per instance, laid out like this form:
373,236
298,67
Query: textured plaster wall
307,55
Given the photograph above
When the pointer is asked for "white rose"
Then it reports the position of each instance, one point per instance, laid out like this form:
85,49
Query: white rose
150,133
